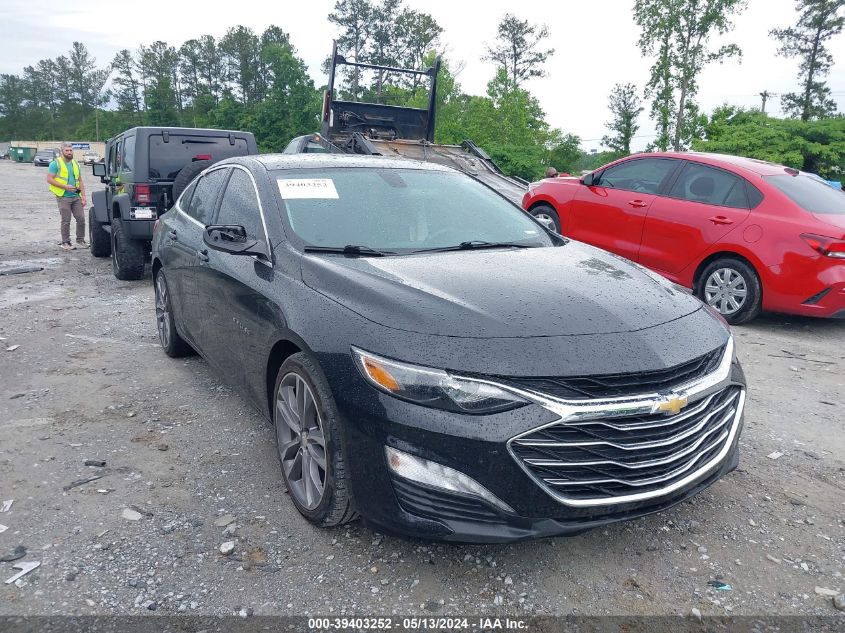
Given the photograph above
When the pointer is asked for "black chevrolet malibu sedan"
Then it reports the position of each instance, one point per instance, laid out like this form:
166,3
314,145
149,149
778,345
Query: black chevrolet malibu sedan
434,359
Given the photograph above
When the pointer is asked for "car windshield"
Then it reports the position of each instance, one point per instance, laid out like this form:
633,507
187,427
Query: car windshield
400,210
810,194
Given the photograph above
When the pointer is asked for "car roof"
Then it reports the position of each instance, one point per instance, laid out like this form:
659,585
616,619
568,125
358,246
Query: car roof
320,160
753,165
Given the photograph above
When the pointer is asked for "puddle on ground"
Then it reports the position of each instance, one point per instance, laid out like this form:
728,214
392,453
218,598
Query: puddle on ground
15,296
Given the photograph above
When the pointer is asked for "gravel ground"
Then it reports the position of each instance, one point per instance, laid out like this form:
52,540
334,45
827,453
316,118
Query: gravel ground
190,466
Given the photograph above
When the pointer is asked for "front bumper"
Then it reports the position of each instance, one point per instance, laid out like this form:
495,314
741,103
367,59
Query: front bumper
139,229
479,448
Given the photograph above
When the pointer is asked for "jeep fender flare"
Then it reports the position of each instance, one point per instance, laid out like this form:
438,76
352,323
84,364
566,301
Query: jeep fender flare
122,202
100,205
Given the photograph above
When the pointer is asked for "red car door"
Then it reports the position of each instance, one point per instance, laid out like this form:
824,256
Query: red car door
611,213
702,206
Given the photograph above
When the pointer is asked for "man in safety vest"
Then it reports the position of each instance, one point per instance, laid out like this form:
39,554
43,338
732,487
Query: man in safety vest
66,184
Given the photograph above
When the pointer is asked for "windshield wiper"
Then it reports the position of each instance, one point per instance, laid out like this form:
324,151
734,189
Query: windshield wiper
475,244
349,249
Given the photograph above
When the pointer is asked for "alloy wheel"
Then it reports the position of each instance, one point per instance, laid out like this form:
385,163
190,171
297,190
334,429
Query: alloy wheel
726,290
162,311
301,440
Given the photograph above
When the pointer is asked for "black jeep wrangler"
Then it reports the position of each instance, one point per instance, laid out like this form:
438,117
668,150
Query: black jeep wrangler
145,170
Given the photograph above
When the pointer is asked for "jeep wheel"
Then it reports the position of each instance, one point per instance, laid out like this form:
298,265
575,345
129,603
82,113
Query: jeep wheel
127,255
186,175
98,237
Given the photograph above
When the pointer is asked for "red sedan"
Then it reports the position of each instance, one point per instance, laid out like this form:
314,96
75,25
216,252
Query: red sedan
744,234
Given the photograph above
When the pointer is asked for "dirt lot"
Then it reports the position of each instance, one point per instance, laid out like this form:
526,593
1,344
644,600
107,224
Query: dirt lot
86,380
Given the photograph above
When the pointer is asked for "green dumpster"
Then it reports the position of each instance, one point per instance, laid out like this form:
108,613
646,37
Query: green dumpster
22,154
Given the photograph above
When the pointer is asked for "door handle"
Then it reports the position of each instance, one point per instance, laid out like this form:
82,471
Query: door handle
172,235
637,204
203,256
720,219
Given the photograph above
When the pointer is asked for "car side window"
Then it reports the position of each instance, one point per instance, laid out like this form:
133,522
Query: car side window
708,185
112,160
128,154
644,175
204,199
240,205
185,200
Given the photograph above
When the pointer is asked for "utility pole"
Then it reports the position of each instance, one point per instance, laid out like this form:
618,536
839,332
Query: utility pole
765,95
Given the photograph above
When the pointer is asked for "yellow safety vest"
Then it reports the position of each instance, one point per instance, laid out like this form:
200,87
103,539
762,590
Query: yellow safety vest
62,176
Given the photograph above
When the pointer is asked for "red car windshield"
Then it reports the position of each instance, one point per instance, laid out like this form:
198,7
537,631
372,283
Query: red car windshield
810,194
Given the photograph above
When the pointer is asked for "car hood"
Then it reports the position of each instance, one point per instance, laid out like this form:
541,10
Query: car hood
572,289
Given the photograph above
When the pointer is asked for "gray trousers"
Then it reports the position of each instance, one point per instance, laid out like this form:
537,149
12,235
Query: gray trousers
68,207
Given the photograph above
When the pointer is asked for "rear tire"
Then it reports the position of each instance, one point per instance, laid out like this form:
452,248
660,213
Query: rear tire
316,423
127,255
546,211
172,344
98,237
186,175
732,287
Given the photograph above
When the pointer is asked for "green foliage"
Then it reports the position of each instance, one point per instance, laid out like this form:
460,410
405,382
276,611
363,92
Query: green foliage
518,50
625,107
814,146
678,33
820,20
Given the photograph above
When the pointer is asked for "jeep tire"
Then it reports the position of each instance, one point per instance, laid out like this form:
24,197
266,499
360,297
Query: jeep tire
186,175
127,255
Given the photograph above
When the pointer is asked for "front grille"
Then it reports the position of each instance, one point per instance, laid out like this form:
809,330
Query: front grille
439,504
605,458
615,385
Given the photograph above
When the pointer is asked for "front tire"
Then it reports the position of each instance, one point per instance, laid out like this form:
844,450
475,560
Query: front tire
547,215
127,255
98,237
732,287
308,442
172,344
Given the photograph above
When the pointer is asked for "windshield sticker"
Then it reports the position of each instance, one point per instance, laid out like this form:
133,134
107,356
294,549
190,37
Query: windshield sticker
314,188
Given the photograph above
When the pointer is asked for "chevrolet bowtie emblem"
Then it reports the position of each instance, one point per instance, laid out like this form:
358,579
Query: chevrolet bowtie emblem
673,404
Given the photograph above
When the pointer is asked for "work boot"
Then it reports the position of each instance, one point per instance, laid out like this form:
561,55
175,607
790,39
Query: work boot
66,246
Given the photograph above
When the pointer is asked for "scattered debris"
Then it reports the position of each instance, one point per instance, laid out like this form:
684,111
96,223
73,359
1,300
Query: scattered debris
25,568
752,523
3,528
131,414
12,348
824,591
839,602
776,561
99,463
775,455
163,447
7,505
131,515
805,567
21,270
718,585
227,548
81,482
18,553
696,614
223,521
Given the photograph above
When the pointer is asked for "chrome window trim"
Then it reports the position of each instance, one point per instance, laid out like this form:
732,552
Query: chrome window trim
647,404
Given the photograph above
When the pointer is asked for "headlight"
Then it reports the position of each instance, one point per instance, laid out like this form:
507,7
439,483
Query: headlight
433,387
